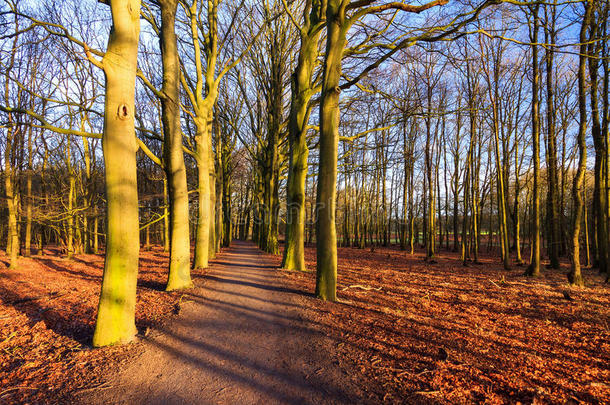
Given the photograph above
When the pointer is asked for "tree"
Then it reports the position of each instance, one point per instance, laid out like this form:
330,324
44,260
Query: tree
12,240
534,267
116,310
202,93
575,275
302,91
599,132
492,74
554,241
179,270
338,23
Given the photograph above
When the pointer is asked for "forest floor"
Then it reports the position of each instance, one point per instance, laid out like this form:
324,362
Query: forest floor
240,337
403,330
443,333
47,315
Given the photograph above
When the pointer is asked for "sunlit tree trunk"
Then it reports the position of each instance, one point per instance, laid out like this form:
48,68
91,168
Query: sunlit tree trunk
455,181
493,83
165,217
586,221
227,220
516,210
476,198
116,310
95,231
70,219
430,226
554,240
179,270
326,237
302,91
203,93
575,276
601,150
202,232
11,194
11,201
212,182
534,267
219,220
28,200
89,197
466,215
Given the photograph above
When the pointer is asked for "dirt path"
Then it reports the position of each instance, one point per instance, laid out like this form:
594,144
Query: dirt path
240,339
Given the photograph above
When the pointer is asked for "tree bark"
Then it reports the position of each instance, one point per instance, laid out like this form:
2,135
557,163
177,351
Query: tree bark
294,251
575,276
116,310
533,269
554,241
202,235
326,237
179,271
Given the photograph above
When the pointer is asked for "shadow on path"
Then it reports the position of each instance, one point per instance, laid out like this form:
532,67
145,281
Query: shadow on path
241,339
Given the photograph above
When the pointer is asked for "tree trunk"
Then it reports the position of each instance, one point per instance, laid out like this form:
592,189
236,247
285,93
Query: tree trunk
95,231
534,267
575,276
202,236
27,251
516,214
12,239
70,221
116,310
165,217
218,211
294,251
551,149
179,272
326,237
212,182
11,194
601,151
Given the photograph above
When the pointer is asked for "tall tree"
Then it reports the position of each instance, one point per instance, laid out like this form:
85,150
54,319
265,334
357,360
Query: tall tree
12,238
116,310
340,16
534,267
599,132
575,275
179,270
300,107
552,199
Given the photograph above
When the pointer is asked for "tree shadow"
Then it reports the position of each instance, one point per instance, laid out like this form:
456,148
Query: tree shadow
153,262
37,306
258,285
52,264
252,266
151,284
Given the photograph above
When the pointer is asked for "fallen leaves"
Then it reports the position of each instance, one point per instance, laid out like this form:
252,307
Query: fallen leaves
445,333
407,330
47,314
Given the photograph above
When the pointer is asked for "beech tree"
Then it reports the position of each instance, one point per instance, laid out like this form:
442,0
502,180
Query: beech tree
340,16
116,311
534,267
303,89
575,275
599,128
12,240
179,267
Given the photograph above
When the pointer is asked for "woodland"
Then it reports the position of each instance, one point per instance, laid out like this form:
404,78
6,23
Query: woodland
431,178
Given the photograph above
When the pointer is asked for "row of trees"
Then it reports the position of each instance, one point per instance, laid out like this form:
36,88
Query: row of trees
424,124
